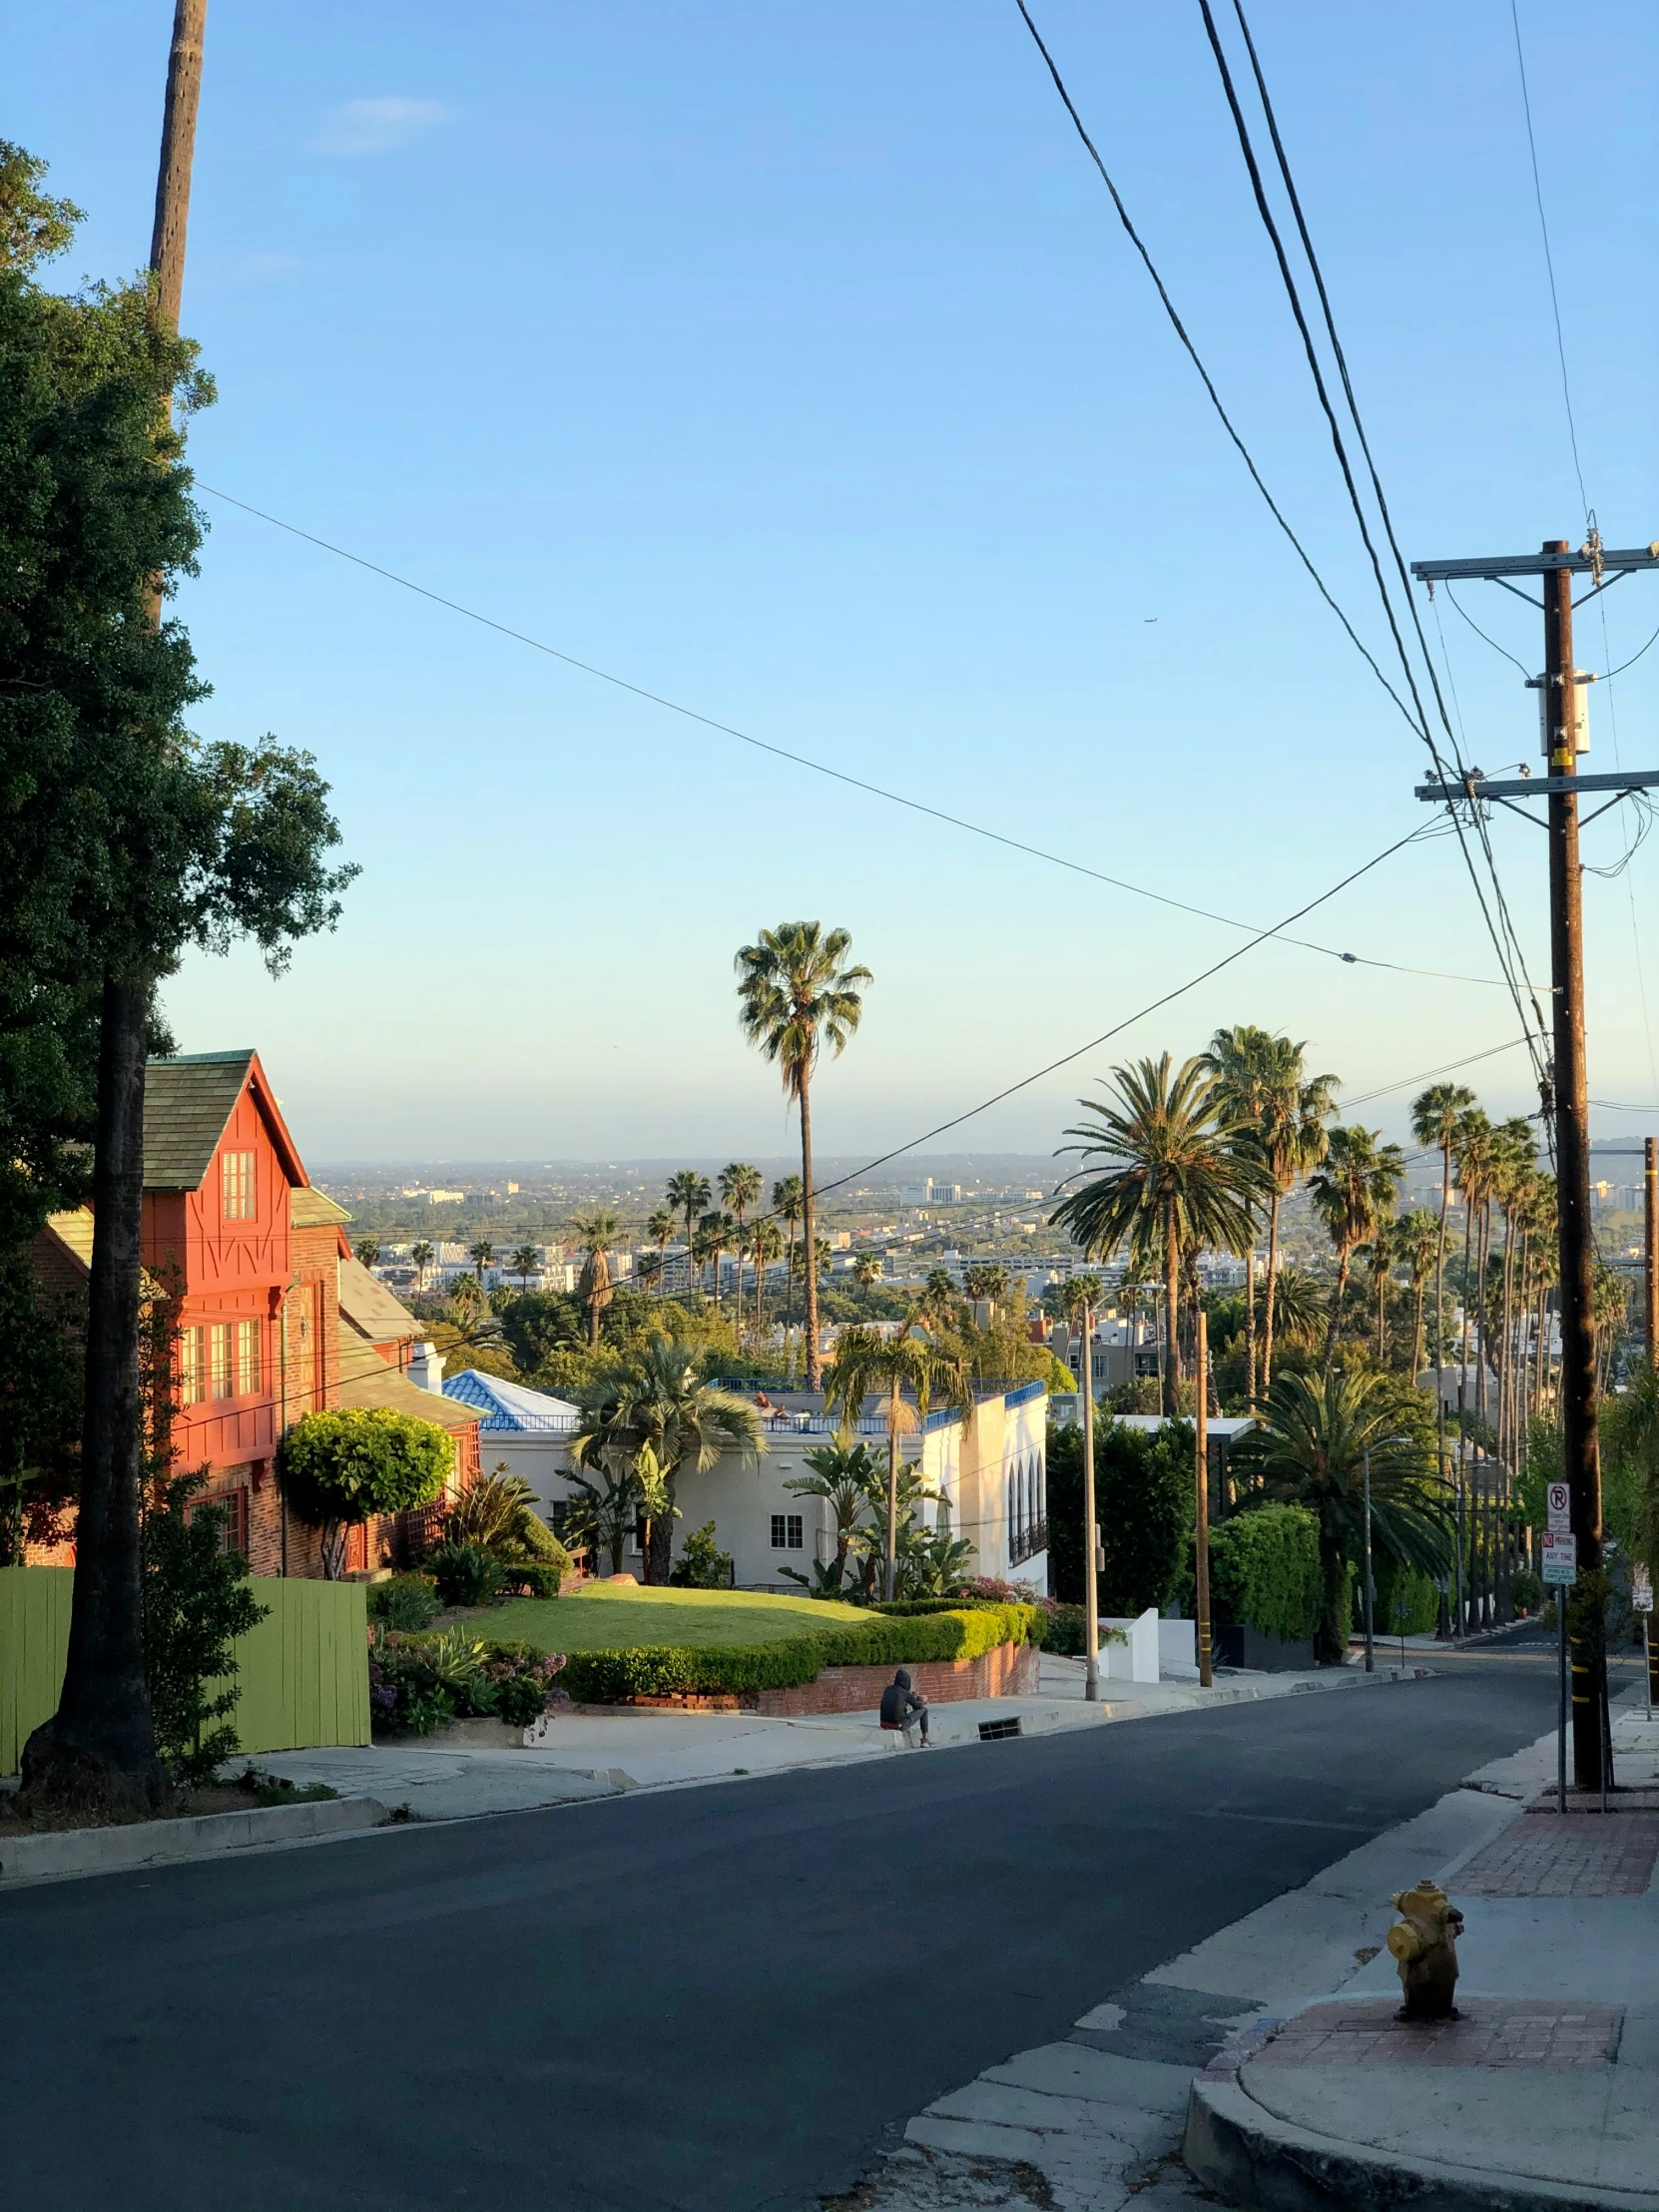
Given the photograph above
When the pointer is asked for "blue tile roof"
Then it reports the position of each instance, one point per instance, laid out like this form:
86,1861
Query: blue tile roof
509,1409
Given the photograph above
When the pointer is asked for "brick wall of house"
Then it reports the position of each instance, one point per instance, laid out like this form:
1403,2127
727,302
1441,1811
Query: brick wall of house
1008,1670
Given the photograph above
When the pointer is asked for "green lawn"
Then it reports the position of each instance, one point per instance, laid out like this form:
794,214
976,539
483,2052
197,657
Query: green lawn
609,1619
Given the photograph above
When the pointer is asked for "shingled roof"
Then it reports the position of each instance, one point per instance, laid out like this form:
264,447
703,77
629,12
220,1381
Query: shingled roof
187,1102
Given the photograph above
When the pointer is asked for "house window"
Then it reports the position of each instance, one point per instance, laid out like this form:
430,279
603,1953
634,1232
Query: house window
189,1367
237,1174
788,1532
233,1529
220,1379
247,1358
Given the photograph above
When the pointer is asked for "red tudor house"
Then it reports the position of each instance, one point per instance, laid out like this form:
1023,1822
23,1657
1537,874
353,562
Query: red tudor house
276,1318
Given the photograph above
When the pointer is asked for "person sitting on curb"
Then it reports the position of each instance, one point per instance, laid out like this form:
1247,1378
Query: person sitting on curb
905,1708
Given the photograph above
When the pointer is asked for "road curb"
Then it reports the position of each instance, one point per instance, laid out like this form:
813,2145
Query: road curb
70,1853
1254,2161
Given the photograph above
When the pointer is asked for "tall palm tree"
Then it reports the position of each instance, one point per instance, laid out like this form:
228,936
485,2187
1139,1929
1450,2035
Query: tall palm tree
939,1309
1312,1449
739,1188
796,995
786,1198
659,1227
688,1194
482,1254
368,1252
1435,1114
1416,1240
986,1280
716,1233
867,1268
1474,1146
597,1232
865,1362
1294,1135
1175,1180
524,1263
422,1254
766,1241
651,1415
1350,1193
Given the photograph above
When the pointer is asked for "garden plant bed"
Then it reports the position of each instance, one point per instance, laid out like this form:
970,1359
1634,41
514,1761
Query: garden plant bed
185,1804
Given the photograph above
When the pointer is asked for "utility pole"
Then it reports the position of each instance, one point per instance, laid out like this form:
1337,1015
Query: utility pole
1370,1585
1201,1542
1091,1531
183,97
1650,1243
1561,718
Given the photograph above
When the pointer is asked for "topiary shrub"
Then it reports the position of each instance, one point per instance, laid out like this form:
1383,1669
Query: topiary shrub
341,1468
407,1601
1265,1571
532,1578
467,1574
702,1565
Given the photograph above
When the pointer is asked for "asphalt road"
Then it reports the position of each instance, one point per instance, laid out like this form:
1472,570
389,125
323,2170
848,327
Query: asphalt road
713,2000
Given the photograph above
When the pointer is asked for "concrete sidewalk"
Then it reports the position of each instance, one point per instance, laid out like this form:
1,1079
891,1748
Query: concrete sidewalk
1233,2055
581,1756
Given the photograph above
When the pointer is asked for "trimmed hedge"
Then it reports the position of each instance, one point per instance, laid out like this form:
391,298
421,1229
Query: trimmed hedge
668,1670
1265,1571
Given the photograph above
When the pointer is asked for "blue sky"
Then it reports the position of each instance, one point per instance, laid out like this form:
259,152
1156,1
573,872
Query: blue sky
790,362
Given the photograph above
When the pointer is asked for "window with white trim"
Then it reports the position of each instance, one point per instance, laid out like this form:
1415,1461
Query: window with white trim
236,1171
220,1379
247,1358
788,1532
189,1367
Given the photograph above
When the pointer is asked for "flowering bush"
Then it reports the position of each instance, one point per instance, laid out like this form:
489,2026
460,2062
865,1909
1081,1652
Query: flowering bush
417,1683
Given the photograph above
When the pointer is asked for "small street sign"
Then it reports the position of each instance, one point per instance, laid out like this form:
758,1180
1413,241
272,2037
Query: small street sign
1559,1560
1559,1506
1641,1590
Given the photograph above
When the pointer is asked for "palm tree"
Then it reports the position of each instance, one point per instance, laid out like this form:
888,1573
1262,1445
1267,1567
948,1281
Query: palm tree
986,1281
1474,1141
368,1252
650,1413
845,1475
788,1196
714,1233
739,1188
1415,1243
659,1227
1311,1450
867,1268
940,1306
597,1232
524,1263
482,1254
1352,1195
1176,1181
766,1241
1298,1304
422,1254
867,1361
688,1194
795,997
1435,1114
1294,1138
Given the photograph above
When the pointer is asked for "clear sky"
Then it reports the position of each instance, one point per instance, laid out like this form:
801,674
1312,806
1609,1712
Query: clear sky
788,361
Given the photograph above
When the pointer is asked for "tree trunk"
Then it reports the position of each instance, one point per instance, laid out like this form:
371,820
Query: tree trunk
1439,1266
659,1542
809,1235
1335,1322
1273,1284
99,1748
1416,1330
1172,1314
1330,1637
1250,1321
892,1497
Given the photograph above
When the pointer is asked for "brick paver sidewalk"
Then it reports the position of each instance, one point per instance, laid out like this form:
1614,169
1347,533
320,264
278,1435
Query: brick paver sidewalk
1548,1855
1493,2032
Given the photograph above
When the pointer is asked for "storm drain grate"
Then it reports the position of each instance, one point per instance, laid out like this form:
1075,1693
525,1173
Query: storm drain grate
992,1732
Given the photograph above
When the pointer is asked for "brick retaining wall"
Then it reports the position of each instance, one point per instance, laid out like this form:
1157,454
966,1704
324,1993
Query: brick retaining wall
1008,1670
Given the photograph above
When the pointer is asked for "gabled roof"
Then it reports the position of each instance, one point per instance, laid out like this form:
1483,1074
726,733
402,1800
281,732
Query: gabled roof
74,1232
370,1308
509,1409
187,1102
398,1395
309,1208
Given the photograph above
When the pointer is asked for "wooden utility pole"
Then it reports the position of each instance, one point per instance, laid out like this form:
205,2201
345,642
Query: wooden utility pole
1091,1528
1650,1243
183,97
1582,1454
1565,1095
1200,1536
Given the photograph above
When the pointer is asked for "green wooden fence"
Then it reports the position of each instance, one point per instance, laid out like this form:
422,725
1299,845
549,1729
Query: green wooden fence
303,1672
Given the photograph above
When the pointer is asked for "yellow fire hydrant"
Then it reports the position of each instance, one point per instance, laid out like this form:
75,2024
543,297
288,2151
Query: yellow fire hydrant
1423,1942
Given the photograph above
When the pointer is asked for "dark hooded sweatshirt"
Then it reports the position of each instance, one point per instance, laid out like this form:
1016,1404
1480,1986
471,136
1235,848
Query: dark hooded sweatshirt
900,1701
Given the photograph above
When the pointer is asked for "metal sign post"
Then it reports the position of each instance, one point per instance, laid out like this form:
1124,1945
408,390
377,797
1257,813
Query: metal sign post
1559,1562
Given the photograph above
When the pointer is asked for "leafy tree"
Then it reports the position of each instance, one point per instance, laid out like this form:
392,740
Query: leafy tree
1175,1180
196,1601
648,1414
795,997
1311,1448
867,1362
1143,1505
40,1409
343,1466
597,1230
129,841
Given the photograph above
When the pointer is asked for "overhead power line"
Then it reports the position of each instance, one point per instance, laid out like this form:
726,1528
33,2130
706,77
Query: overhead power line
1549,260
822,768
